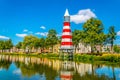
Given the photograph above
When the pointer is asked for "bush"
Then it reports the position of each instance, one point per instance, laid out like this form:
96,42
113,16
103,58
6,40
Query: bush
104,57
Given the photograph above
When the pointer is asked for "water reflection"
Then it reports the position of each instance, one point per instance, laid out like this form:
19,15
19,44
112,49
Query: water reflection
33,68
66,70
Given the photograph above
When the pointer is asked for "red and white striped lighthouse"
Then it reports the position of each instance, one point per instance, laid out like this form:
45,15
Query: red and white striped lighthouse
66,43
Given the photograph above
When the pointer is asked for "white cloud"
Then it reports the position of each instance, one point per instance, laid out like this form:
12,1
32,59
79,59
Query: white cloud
118,33
42,33
82,16
4,37
1,69
18,71
25,30
21,35
43,27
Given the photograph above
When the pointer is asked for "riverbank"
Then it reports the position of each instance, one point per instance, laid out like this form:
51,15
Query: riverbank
102,58
107,59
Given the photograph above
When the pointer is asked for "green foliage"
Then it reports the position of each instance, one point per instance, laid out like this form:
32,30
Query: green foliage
77,35
6,44
111,36
2,45
30,41
19,45
52,38
33,42
116,49
93,32
91,58
42,42
84,57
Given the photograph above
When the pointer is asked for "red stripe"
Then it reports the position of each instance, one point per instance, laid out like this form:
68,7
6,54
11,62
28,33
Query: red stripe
66,43
66,30
68,77
66,23
67,36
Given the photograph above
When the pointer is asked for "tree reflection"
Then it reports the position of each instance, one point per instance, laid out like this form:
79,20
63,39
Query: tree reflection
34,68
88,76
91,76
51,69
5,64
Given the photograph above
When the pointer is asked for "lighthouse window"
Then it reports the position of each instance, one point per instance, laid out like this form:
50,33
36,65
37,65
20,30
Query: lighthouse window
67,18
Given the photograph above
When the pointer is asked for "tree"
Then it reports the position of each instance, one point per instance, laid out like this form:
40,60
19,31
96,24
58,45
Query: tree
19,45
2,45
8,44
76,37
111,36
52,38
42,44
116,49
30,42
93,33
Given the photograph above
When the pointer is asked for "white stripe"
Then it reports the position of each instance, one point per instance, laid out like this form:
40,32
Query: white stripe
66,40
66,27
66,46
66,33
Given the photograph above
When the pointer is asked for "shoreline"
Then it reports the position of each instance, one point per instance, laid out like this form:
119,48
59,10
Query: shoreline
107,59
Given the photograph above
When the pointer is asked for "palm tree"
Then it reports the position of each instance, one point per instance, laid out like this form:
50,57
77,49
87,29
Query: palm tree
111,36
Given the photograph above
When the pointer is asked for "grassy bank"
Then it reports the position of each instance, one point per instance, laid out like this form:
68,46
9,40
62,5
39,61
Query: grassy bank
112,58
41,55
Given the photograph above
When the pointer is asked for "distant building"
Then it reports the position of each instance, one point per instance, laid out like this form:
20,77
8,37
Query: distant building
106,48
82,48
49,49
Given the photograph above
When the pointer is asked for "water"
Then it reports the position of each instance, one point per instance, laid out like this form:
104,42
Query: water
33,68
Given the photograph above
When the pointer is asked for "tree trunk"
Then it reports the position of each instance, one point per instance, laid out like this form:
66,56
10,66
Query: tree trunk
92,49
75,48
52,48
114,77
1,50
112,46
41,50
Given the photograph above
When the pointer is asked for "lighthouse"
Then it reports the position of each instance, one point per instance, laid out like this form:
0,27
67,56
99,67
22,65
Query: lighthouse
66,41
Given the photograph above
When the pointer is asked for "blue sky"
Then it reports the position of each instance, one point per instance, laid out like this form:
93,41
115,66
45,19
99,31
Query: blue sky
19,18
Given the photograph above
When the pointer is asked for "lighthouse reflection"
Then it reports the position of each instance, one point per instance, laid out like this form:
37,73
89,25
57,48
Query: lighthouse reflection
66,70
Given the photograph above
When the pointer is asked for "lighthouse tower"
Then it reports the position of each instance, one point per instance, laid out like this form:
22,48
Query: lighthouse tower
66,42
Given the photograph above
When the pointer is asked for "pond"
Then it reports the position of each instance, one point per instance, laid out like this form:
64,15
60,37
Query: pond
33,68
